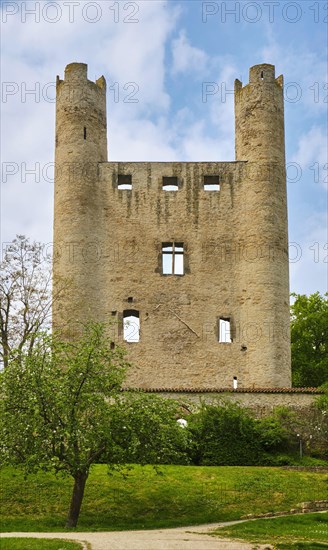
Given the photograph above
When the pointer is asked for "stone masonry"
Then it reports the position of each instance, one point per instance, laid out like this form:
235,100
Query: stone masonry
193,254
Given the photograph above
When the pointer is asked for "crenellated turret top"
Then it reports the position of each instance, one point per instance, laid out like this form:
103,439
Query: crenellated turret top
77,74
76,71
262,72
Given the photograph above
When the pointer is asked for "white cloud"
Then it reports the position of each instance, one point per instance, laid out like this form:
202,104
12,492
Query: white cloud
305,74
36,51
312,154
187,58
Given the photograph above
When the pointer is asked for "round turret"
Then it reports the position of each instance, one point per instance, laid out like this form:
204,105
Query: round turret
259,116
262,270
81,144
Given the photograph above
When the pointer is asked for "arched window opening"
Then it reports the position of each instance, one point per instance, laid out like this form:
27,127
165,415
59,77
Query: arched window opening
224,330
131,325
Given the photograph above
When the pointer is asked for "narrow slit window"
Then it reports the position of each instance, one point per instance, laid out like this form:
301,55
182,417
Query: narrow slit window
170,183
131,325
224,330
262,75
172,259
85,132
211,183
124,181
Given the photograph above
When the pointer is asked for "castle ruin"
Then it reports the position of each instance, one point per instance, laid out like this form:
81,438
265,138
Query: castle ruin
188,259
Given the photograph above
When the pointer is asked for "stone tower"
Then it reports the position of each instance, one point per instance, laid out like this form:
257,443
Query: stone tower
264,274
193,254
81,144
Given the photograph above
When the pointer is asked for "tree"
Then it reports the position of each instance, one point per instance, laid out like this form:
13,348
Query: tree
146,431
55,408
62,410
25,295
309,340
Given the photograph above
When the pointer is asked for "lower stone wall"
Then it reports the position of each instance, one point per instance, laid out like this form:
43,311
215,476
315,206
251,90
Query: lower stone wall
261,402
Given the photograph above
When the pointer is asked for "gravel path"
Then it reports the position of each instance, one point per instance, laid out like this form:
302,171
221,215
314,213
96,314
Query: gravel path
182,538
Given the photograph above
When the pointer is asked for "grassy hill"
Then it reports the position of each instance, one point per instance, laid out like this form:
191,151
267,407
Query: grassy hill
145,499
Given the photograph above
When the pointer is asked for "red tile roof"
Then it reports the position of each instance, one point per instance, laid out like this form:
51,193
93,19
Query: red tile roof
226,390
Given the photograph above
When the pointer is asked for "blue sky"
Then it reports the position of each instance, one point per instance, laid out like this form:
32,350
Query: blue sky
158,57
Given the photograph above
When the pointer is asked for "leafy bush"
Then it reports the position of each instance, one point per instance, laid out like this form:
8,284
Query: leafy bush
224,435
273,435
145,431
279,460
229,435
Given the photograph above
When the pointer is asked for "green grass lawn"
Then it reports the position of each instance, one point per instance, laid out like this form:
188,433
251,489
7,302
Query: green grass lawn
303,546
304,531
37,544
181,495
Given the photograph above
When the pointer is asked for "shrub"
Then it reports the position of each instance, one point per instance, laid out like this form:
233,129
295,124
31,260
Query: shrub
224,435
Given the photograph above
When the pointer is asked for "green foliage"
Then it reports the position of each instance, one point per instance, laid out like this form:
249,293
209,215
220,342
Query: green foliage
309,340
145,431
303,546
230,435
55,407
322,400
224,435
273,434
62,409
38,544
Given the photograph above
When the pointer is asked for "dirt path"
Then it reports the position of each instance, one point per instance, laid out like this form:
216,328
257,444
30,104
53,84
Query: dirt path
182,538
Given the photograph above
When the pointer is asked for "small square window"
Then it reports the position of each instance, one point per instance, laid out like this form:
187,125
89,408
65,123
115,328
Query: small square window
124,181
170,183
211,183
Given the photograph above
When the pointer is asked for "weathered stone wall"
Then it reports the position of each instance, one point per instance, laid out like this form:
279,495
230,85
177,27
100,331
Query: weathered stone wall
109,241
261,403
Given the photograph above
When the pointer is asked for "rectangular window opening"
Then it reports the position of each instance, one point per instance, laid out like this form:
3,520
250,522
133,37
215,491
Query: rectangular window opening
131,325
85,132
170,183
225,330
124,181
172,259
211,183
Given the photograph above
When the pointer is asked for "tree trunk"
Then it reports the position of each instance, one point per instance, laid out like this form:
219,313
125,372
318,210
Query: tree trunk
76,501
